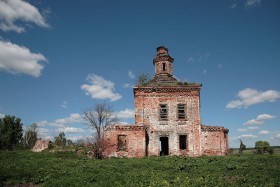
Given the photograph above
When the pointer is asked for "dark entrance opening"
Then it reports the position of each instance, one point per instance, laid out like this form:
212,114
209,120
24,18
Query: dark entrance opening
164,149
147,143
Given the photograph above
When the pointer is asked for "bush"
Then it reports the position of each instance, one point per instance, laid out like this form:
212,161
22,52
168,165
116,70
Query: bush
270,150
262,146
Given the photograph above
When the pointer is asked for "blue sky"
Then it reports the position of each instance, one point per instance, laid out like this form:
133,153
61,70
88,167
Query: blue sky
58,58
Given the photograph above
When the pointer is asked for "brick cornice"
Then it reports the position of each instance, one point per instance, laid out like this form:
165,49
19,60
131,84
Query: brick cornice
163,58
214,128
167,89
126,128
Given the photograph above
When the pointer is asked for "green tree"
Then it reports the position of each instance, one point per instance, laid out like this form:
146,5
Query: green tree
143,79
30,136
10,132
60,140
262,146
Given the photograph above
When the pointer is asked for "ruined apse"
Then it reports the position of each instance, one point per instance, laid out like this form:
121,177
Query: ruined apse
167,119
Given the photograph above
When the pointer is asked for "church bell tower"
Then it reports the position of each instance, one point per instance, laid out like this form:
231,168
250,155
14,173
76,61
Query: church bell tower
163,62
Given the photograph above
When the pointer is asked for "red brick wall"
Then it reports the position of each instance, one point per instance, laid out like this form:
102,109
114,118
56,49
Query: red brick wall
135,141
147,113
214,142
159,67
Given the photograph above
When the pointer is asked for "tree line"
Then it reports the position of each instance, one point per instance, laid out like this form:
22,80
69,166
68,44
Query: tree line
12,136
97,118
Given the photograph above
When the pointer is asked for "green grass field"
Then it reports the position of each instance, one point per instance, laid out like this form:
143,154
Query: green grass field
25,168
253,151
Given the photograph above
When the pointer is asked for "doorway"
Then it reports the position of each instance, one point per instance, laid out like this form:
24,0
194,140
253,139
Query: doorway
164,149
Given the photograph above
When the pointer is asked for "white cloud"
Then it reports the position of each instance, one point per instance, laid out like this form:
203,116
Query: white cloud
277,136
253,128
18,59
205,71
220,66
127,113
64,104
85,138
131,74
260,119
253,122
252,3
2,115
190,59
128,85
247,136
247,129
263,132
99,88
53,124
242,130
70,130
233,6
14,12
42,131
60,125
62,122
41,123
263,117
73,118
248,97
199,58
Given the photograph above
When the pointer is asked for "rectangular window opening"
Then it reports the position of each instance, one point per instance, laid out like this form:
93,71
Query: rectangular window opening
183,142
181,111
163,68
163,112
122,142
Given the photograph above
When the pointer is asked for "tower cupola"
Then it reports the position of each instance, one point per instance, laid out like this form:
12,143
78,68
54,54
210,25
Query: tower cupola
163,62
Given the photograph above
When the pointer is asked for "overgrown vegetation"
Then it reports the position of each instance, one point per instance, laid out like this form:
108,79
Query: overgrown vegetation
10,132
60,140
30,136
188,83
98,118
143,79
67,169
263,147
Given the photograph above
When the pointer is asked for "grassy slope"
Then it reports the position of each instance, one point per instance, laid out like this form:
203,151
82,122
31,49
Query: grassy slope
65,169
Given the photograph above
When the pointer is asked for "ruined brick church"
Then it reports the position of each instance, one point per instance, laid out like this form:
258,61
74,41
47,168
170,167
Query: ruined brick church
167,119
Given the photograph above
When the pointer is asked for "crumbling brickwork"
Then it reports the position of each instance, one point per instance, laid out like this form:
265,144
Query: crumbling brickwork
168,112
124,141
214,140
147,112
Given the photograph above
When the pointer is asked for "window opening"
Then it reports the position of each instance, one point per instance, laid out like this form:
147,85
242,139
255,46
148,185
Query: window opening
163,112
181,111
163,68
122,142
183,142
